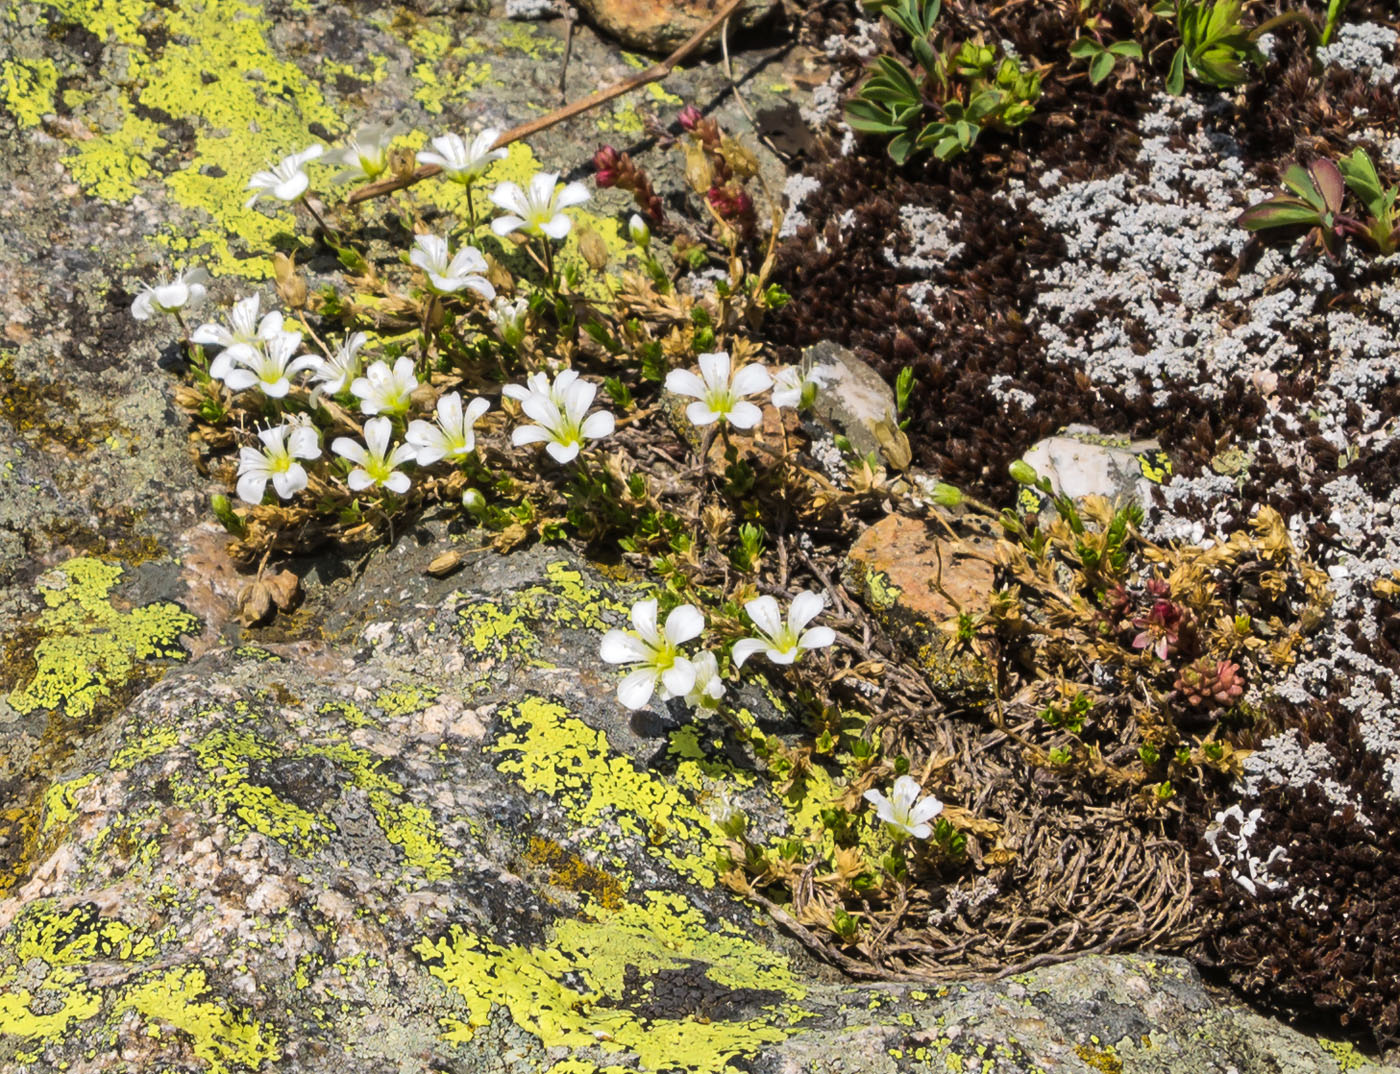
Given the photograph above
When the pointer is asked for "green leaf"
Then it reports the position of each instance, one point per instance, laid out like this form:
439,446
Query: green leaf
1130,49
1101,67
1176,77
1084,48
1279,212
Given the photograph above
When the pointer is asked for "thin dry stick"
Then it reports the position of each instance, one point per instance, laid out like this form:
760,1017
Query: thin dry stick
654,73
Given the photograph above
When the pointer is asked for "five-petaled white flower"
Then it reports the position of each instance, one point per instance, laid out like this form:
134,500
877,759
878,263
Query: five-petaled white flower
792,389
186,289
717,396
654,653
270,367
783,642
448,276
385,390
244,334
538,210
276,461
375,464
334,374
904,811
365,154
285,181
509,318
460,163
453,436
709,686
558,412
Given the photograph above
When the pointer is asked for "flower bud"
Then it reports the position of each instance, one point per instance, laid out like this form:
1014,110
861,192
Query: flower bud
605,163
946,495
227,516
594,250
638,230
689,117
1022,472
474,501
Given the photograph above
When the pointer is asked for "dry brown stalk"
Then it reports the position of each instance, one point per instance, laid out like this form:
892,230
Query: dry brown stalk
655,73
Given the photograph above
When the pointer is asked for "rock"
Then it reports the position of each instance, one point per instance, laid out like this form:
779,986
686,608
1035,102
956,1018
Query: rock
659,26
436,844
895,564
1081,462
855,401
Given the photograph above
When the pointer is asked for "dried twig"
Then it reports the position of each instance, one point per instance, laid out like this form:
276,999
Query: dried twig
655,73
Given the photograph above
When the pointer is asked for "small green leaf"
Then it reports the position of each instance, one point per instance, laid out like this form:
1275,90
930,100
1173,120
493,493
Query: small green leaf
1084,48
1101,67
1176,77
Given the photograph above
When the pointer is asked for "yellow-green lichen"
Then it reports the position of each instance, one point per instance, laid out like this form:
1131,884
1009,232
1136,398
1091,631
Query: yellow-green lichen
244,105
27,88
1344,1053
88,647
601,961
225,1040
560,756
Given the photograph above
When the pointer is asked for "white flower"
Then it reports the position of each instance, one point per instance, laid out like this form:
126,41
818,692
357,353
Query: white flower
186,289
459,163
285,181
558,411
905,812
386,390
276,460
365,155
333,374
708,687
509,318
716,395
783,642
446,276
375,464
453,437
538,211
270,367
790,386
654,655
244,334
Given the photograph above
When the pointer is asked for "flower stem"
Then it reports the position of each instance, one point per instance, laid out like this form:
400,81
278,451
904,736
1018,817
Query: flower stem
325,228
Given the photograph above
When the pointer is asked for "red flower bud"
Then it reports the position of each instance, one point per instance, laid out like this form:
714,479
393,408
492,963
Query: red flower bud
605,163
690,115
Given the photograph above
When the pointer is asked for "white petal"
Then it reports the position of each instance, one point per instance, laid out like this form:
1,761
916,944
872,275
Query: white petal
504,225
475,409
289,482
745,648
875,798
511,198
636,689
293,188
679,677
563,453
240,380
557,227
714,370
573,194
806,606
377,433
699,413
251,487
596,426
350,449
468,260
684,382
684,622
359,480
751,380
926,810
397,482
528,434
542,188
765,615
819,637
906,792
303,443
744,415
619,647
644,620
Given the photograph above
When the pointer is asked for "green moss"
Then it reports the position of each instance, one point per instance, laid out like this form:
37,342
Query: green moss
88,648
573,992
